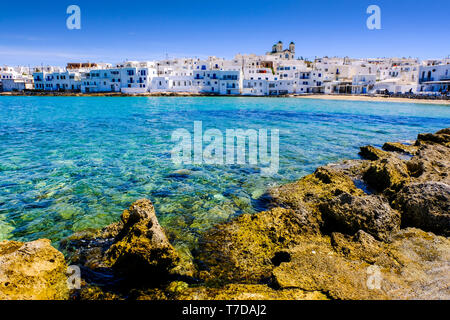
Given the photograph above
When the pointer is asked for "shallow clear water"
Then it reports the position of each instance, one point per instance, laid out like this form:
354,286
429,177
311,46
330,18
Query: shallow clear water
71,163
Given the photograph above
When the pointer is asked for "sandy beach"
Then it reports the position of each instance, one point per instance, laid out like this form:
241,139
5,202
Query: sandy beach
190,94
375,99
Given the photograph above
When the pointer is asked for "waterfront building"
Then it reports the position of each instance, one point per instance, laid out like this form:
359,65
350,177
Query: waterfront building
137,76
15,79
277,72
101,80
24,83
363,83
434,78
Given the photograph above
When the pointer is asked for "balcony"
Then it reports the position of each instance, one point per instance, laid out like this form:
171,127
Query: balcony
427,79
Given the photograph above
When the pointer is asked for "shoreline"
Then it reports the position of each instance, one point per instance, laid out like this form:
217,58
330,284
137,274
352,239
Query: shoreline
374,99
364,98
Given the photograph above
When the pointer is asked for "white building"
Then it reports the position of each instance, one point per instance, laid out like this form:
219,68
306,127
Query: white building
434,78
362,84
57,81
15,79
22,84
137,76
275,73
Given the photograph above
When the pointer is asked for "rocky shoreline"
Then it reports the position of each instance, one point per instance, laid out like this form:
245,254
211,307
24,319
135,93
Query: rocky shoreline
375,228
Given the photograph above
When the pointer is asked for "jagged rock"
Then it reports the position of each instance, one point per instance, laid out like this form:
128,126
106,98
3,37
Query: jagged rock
425,205
440,137
444,131
360,246
414,265
431,163
243,249
369,213
134,250
141,248
90,292
32,271
315,266
399,147
247,292
387,175
306,195
372,153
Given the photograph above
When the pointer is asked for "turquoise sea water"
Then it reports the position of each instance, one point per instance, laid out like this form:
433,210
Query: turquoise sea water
71,163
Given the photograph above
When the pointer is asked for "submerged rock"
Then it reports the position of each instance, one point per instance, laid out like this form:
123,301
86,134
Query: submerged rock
32,271
180,173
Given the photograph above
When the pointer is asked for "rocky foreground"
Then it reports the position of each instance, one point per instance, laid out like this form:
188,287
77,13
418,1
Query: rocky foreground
376,228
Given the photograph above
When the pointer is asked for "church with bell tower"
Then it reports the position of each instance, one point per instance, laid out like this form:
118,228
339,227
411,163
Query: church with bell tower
286,54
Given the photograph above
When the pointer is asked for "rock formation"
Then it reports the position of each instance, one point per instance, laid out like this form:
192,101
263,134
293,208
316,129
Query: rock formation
32,271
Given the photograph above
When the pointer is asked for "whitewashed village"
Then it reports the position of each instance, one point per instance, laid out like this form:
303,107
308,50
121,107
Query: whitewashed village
278,72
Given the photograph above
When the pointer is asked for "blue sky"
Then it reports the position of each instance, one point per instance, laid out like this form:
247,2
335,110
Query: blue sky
34,32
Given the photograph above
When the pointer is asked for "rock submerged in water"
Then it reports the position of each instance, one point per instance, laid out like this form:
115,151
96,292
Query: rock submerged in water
32,271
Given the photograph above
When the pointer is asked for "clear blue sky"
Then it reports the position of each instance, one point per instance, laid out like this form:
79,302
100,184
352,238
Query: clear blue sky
34,32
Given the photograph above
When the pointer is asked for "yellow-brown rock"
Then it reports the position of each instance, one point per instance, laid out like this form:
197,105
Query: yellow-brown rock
32,271
141,247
